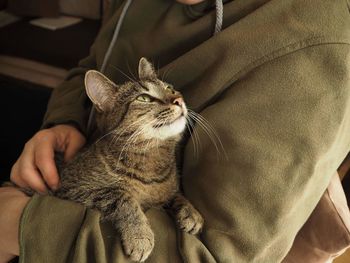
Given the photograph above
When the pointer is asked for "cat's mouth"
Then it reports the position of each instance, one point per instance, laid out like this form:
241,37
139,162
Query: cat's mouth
167,129
180,118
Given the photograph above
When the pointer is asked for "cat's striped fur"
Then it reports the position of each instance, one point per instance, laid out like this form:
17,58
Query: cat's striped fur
132,166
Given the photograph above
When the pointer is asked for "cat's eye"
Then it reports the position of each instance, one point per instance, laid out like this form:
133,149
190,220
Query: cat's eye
144,98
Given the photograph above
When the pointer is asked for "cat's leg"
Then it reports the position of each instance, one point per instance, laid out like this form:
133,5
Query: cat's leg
187,217
123,211
126,214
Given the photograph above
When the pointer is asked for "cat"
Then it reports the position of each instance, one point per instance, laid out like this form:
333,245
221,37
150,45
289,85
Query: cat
132,167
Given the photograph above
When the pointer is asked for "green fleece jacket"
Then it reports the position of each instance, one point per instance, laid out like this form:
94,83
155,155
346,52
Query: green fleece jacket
274,84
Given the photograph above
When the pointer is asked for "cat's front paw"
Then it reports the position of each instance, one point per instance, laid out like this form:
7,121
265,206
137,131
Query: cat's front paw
189,219
138,243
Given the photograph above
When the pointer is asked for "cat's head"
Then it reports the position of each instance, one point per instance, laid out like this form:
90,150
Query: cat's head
148,107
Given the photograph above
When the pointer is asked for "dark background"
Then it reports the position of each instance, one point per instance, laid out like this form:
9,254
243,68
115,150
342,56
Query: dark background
23,104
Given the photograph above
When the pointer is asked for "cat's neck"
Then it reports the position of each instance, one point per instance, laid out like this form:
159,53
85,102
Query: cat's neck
150,147
152,157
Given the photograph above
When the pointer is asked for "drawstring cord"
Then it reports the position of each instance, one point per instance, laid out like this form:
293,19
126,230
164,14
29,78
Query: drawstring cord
108,55
115,36
219,8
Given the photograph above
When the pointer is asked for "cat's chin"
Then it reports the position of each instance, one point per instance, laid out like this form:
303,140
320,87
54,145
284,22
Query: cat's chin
167,131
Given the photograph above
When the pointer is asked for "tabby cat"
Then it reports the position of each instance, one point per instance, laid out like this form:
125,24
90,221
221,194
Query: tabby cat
132,167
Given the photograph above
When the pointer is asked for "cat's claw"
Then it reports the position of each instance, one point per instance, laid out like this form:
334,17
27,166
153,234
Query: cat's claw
189,220
138,244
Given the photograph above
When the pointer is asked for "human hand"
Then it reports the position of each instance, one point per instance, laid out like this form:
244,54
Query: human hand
12,203
36,165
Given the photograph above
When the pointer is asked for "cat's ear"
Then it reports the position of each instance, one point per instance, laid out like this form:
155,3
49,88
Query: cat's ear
146,70
100,90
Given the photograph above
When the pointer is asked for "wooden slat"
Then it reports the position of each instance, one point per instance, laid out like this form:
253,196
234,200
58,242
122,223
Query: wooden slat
32,71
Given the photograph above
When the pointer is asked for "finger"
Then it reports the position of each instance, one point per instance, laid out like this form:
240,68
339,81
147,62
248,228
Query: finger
75,143
17,172
28,172
44,161
36,182
16,178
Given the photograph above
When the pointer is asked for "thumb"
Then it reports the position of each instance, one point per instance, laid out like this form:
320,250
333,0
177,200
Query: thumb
75,143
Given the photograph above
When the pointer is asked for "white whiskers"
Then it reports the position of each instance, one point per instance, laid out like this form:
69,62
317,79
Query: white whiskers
208,130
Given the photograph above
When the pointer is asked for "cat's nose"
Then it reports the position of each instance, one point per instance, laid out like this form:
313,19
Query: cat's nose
178,101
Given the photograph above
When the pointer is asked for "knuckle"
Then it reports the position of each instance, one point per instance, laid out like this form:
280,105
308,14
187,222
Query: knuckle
40,135
40,158
15,172
40,164
43,154
27,145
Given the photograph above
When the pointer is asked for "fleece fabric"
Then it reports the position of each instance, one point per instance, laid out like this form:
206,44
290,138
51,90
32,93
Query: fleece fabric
275,86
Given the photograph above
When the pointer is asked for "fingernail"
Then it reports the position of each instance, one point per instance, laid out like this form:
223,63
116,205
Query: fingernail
55,187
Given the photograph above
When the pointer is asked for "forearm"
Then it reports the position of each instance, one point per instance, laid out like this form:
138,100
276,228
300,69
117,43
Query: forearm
12,203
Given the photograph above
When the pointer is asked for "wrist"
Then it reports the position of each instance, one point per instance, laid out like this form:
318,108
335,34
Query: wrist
12,202
69,123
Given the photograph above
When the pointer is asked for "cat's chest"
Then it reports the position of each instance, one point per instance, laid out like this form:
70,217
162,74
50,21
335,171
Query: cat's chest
151,183
155,193
152,178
